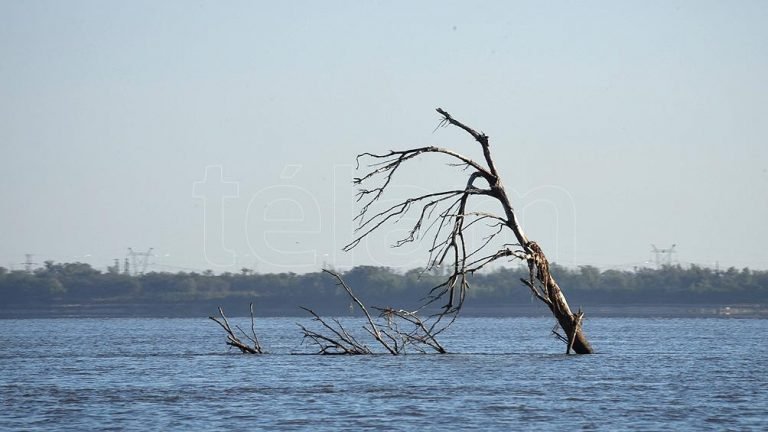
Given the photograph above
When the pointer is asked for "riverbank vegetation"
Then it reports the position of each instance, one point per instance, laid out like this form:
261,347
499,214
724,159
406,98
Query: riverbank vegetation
58,284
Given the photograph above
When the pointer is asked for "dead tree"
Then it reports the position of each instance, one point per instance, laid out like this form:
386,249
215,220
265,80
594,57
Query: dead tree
388,331
233,340
449,215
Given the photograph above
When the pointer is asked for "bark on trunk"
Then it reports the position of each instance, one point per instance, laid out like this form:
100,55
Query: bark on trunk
554,298
569,322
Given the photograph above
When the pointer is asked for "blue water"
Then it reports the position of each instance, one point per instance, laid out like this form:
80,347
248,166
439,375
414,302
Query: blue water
503,374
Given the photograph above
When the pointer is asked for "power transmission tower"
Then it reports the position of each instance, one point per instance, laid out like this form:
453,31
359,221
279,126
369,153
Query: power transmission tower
662,257
139,260
28,263
114,269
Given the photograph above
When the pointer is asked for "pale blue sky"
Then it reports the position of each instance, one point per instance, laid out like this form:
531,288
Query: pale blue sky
615,125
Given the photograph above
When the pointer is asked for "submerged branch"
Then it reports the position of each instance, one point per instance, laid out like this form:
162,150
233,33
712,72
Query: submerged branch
233,340
387,331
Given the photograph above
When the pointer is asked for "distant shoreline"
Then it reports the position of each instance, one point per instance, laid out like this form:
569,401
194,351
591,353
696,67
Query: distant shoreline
203,310
62,290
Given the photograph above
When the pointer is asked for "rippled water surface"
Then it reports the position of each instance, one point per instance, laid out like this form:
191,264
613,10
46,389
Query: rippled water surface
503,374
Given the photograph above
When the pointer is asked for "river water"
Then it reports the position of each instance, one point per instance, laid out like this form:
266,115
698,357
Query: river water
502,374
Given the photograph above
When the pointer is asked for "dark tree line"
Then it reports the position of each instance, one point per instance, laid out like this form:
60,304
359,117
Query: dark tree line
78,283
668,285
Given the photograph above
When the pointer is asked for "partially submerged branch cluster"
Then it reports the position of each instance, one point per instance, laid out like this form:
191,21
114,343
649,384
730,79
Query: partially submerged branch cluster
445,218
394,330
397,331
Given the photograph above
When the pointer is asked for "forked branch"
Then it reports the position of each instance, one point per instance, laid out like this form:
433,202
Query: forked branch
233,340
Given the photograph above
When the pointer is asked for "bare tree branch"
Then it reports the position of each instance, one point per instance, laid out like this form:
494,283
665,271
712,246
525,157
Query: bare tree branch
340,343
388,333
373,329
233,340
420,335
479,137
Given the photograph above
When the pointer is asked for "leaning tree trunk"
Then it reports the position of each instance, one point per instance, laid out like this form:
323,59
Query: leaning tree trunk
569,322
546,289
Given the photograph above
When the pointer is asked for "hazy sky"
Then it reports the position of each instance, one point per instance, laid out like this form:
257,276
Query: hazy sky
223,134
